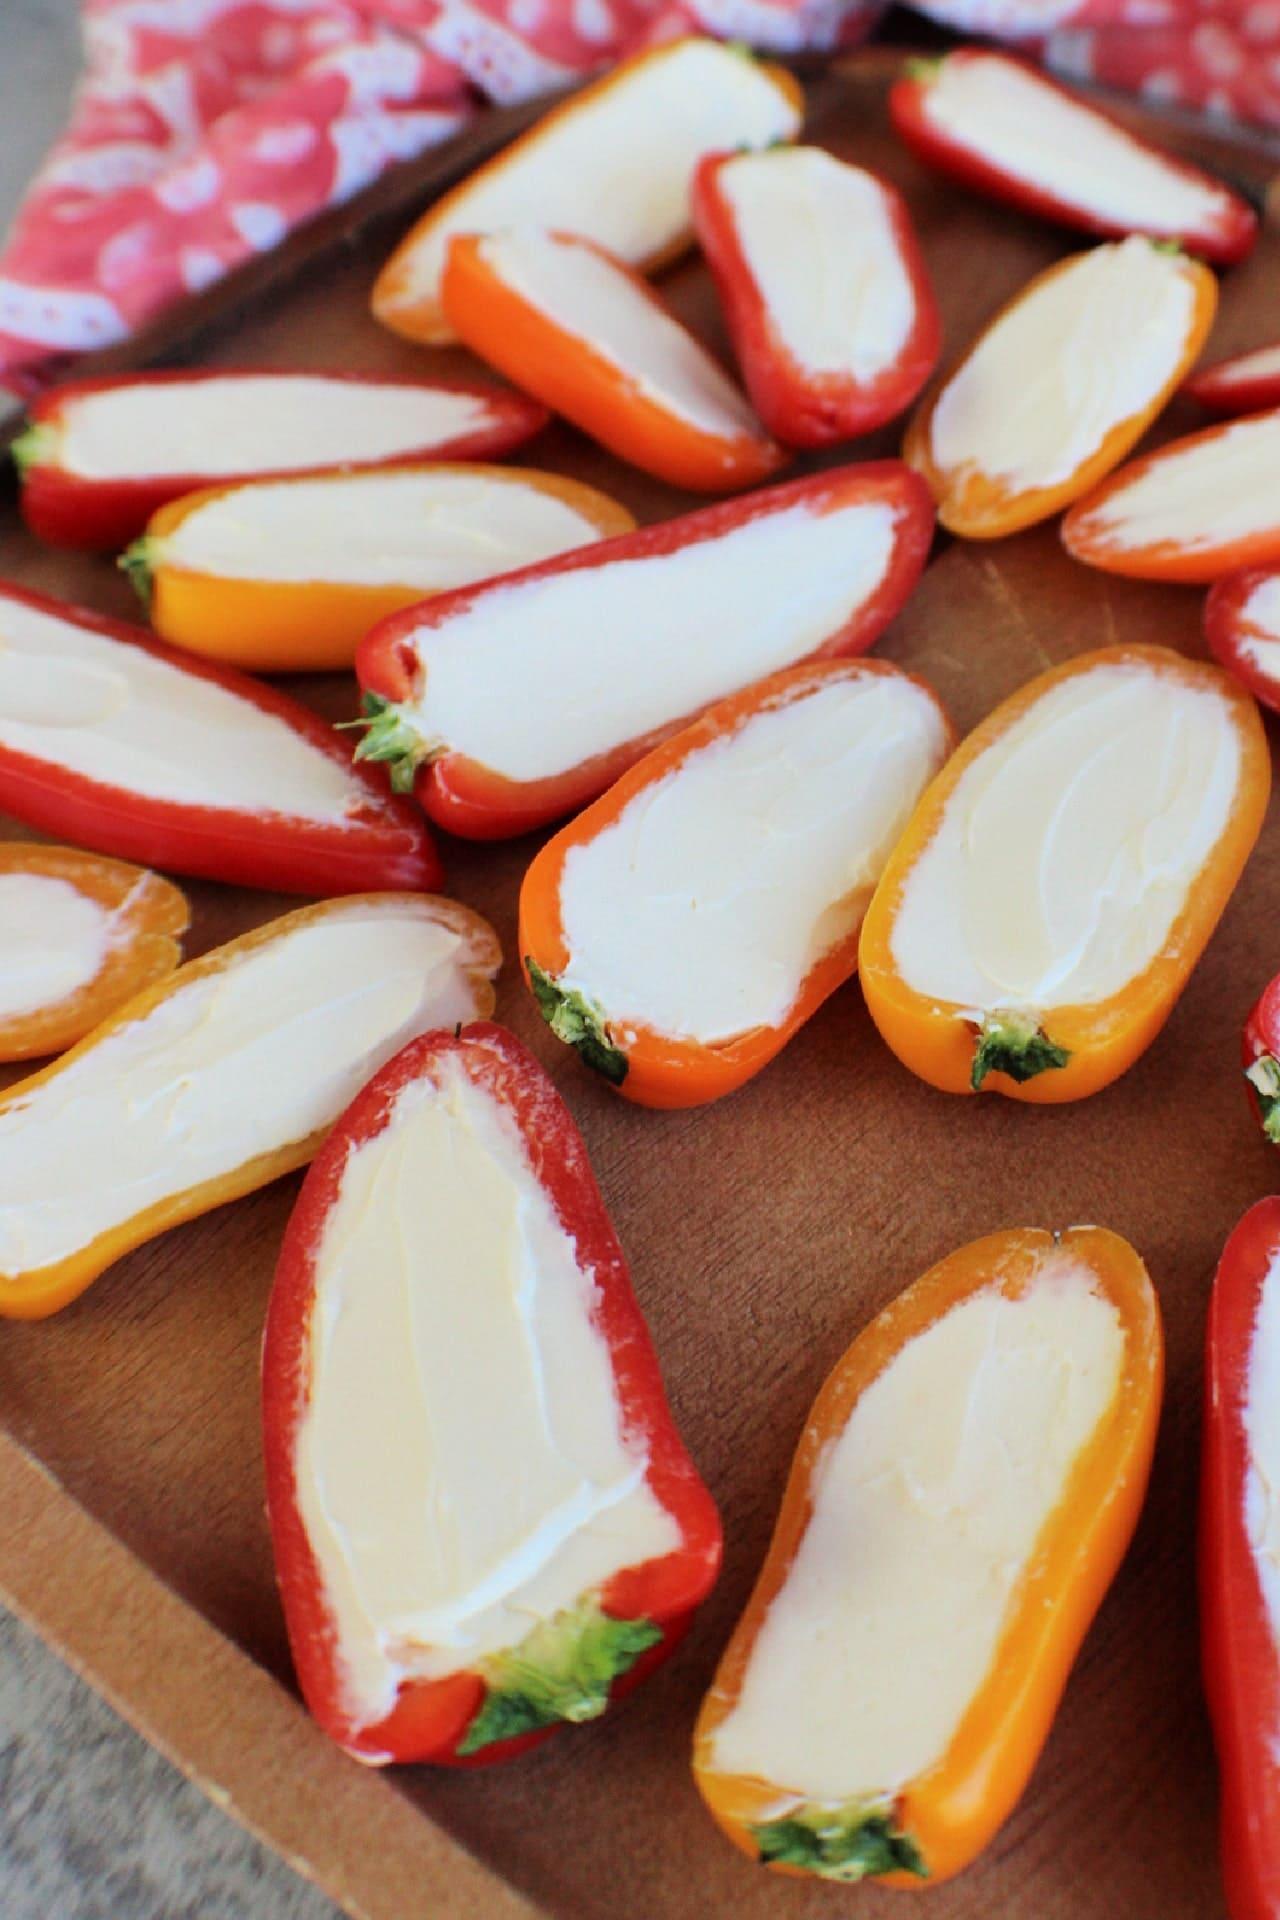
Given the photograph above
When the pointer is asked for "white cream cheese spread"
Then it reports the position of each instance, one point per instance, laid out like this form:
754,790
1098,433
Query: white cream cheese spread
53,941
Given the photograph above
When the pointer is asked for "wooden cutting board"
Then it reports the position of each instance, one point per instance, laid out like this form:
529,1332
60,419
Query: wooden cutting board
763,1232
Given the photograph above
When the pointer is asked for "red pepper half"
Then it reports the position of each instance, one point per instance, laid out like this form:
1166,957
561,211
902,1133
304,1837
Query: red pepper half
778,229
1242,626
1261,1054
565,1668
1239,1648
507,704
97,719
1007,130
1246,383
94,496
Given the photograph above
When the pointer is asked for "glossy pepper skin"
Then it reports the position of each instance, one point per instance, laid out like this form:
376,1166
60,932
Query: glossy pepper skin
1239,1654
1231,629
943,1043
304,626
384,844
1223,240
661,1069
579,377
984,506
1260,1051
1244,383
432,1718
806,406
473,801
145,919
939,1822
70,509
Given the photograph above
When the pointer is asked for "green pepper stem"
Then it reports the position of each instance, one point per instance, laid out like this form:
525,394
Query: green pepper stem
578,1022
562,1670
857,1840
1013,1044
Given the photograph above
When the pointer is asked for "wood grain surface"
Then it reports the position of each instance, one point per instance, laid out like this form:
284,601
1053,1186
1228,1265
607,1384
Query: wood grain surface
763,1232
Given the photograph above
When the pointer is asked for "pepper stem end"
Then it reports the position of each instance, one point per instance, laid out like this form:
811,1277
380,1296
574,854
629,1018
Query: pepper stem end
857,1841
562,1670
31,448
391,740
580,1024
138,562
1264,1077
1012,1044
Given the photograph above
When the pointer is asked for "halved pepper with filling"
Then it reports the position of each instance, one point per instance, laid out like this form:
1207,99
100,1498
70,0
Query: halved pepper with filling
1261,1058
284,576
823,287
505,705
963,1493
79,935
574,325
486,1525
614,163
682,929
220,1078
1240,1557
1060,385
1242,627
1243,383
99,457
1043,911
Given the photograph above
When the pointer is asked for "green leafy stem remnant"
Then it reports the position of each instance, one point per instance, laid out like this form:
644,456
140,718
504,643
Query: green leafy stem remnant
563,1670
852,1842
575,1020
1012,1043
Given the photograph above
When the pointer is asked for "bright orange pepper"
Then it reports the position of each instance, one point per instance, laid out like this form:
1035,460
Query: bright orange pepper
945,1817
143,919
980,506
310,626
944,1042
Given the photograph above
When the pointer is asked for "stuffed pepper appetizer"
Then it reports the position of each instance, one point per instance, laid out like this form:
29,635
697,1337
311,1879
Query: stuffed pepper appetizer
1242,626
1244,383
963,1494
1061,877
485,1523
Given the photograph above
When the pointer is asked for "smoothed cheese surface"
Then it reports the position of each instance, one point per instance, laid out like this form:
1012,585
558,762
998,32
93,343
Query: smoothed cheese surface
617,168
586,296
1028,129
617,650
227,1067
1072,360
703,908
248,424
1262,610
462,1468
1259,365
1068,849
926,1510
819,239
434,528
1197,494
114,713
1262,1443
53,941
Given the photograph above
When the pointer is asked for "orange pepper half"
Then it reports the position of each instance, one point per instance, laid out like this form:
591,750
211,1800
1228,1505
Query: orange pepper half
1077,1049
928,1828
314,625
984,506
690,427
140,917
659,1069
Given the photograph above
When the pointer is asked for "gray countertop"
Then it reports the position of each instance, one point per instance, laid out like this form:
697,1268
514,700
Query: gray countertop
93,1824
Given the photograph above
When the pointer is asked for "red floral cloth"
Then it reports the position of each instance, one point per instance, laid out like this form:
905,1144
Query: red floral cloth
204,130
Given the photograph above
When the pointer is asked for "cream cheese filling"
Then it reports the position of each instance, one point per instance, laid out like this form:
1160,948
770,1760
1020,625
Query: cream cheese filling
1262,1442
53,941
1068,849
1069,362
617,168
1262,364
1197,493
703,908
432,528
249,423
116,714
1027,128
615,651
1262,610
819,239
586,296
227,1067
926,1511
462,1467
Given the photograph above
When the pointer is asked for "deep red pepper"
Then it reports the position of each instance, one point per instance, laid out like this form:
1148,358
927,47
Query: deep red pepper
1239,1652
1261,1056
473,800
1245,383
1224,239
1233,624
808,406
383,843
431,1718
103,514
